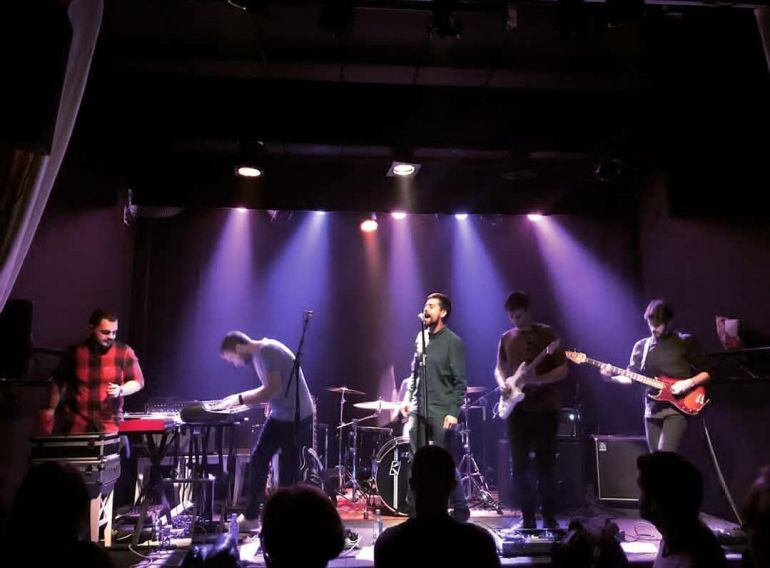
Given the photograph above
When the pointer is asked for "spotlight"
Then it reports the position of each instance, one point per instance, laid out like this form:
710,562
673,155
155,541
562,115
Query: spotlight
535,217
461,216
250,155
320,212
369,225
398,215
241,209
402,169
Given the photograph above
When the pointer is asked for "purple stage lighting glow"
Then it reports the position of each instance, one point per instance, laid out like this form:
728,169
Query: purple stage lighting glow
241,209
369,225
461,216
398,215
535,217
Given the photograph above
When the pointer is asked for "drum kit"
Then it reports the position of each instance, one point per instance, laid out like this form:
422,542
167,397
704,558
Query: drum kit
372,462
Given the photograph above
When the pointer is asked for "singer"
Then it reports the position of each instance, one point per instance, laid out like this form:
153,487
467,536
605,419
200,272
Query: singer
437,389
273,362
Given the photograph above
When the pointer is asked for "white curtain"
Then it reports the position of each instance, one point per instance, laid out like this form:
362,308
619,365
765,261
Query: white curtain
26,178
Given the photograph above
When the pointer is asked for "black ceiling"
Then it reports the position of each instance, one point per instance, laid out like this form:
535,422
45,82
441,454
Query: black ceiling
502,120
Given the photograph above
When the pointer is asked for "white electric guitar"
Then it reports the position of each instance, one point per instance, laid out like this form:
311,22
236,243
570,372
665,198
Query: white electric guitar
509,401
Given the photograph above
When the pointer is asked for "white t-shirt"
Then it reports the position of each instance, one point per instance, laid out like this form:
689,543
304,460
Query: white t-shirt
274,356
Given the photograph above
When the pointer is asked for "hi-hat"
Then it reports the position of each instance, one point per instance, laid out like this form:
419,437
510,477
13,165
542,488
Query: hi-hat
344,390
377,405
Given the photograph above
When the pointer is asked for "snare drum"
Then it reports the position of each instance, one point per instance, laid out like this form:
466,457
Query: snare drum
393,464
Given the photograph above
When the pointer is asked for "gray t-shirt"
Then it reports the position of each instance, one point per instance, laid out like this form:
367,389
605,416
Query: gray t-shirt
273,356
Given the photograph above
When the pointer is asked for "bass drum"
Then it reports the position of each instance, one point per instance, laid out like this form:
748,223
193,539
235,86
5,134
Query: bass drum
393,463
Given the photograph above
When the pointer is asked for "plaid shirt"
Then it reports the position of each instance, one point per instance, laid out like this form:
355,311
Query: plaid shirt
83,375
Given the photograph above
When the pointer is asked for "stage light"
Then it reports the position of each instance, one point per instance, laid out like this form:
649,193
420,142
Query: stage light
461,216
241,209
402,169
398,215
369,225
249,162
535,217
320,212
248,172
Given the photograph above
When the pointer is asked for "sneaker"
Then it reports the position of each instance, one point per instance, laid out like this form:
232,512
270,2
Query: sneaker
246,525
461,514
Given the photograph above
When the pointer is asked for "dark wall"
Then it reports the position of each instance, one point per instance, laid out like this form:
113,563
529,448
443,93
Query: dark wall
709,268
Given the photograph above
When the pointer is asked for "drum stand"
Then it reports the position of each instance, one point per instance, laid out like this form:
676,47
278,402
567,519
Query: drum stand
474,485
351,473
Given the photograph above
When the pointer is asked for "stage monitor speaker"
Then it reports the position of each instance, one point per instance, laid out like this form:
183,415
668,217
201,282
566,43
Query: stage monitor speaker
616,467
568,474
15,339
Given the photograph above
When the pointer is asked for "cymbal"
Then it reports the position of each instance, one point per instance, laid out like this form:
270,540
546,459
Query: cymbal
377,405
344,390
475,390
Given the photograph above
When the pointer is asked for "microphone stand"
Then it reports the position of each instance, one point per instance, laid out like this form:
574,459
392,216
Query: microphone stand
307,314
423,375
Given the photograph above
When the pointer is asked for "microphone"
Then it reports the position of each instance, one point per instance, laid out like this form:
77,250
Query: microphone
422,317
308,313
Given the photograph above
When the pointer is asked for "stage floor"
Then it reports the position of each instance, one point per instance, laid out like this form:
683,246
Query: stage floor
640,539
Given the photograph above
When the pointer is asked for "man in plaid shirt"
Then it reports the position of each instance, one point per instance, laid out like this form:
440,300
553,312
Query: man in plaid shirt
87,389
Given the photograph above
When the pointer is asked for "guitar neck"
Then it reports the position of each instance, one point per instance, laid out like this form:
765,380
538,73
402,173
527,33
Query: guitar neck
650,382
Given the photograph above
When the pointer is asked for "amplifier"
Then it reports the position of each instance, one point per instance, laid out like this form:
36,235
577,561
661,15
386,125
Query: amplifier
569,482
616,467
76,446
569,424
100,474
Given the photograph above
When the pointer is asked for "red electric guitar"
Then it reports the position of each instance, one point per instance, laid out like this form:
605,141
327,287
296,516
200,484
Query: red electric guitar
691,402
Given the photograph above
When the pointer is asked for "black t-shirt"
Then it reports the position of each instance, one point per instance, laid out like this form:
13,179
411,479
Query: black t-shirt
676,355
700,549
440,541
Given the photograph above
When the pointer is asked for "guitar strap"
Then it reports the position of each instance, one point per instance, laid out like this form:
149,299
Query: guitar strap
645,352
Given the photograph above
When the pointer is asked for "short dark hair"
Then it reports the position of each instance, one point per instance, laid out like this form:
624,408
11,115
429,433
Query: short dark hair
100,314
659,312
446,303
324,541
517,300
672,481
433,464
233,339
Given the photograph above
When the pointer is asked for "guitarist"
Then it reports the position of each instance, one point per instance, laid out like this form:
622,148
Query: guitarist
673,354
534,421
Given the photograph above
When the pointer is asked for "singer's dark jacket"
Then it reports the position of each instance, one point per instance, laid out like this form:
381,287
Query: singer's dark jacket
445,376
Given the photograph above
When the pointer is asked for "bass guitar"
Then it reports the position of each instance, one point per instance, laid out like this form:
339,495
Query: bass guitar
690,402
509,401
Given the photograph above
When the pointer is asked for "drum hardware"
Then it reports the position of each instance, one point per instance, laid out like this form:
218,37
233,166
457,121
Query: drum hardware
474,484
352,473
341,469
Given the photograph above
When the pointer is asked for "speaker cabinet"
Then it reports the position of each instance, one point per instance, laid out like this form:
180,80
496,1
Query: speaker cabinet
15,339
616,467
568,473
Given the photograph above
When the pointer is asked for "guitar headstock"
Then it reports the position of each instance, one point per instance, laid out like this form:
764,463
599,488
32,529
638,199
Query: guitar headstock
576,357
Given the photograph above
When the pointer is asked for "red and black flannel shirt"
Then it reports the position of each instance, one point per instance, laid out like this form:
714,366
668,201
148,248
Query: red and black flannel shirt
83,377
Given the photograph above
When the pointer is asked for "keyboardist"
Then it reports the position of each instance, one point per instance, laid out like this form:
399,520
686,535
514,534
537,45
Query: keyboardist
87,390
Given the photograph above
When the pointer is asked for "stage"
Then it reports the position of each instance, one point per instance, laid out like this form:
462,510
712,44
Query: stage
640,539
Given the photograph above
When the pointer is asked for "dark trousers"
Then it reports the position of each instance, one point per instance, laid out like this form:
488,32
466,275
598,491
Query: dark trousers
664,434
276,435
533,431
431,431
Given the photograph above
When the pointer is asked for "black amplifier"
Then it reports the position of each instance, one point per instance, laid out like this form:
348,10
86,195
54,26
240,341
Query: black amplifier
569,424
100,474
74,446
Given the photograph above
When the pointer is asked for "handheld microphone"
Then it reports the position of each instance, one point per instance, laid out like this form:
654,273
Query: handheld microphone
308,313
422,317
